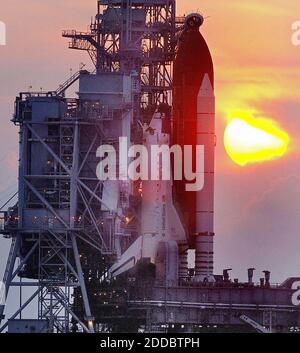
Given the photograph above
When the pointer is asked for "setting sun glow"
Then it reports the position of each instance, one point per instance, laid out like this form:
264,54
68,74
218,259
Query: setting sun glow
249,140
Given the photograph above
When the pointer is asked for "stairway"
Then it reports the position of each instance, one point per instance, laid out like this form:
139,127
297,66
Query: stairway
64,86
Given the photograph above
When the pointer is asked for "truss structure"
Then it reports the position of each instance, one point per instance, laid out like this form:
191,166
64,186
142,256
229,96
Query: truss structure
63,234
133,35
57,222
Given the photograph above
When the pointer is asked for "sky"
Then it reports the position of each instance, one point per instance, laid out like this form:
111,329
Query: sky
257,70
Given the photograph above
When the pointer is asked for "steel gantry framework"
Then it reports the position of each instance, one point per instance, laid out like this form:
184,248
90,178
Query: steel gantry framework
63,234
133,36
56,218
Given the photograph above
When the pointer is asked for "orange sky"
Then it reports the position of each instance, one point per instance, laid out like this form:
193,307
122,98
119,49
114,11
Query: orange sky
257,69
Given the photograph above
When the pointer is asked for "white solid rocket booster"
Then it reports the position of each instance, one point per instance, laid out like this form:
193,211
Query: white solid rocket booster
205,198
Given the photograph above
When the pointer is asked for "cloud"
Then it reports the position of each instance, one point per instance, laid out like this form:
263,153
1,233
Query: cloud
251,87
266,231
258,8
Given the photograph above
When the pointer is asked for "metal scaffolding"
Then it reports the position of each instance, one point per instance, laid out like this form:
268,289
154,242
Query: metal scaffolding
133,36
55,213
64,235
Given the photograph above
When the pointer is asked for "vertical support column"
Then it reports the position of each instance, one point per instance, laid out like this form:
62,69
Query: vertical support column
23,151
74,171
183,260
86,303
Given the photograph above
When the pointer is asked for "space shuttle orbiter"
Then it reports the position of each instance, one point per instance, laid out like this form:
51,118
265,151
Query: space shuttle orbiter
162,231
189,225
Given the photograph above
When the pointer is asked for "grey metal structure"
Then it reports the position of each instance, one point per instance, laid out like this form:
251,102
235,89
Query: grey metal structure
219,308
136,38
66,228
55,205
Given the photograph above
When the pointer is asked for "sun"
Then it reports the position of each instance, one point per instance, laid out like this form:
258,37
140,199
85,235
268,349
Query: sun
250,140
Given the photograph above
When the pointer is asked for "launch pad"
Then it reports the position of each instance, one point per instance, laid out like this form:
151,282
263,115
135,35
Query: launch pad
105,255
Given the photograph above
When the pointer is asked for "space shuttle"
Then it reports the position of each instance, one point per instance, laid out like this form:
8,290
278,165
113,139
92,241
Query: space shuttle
174,220
162,231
